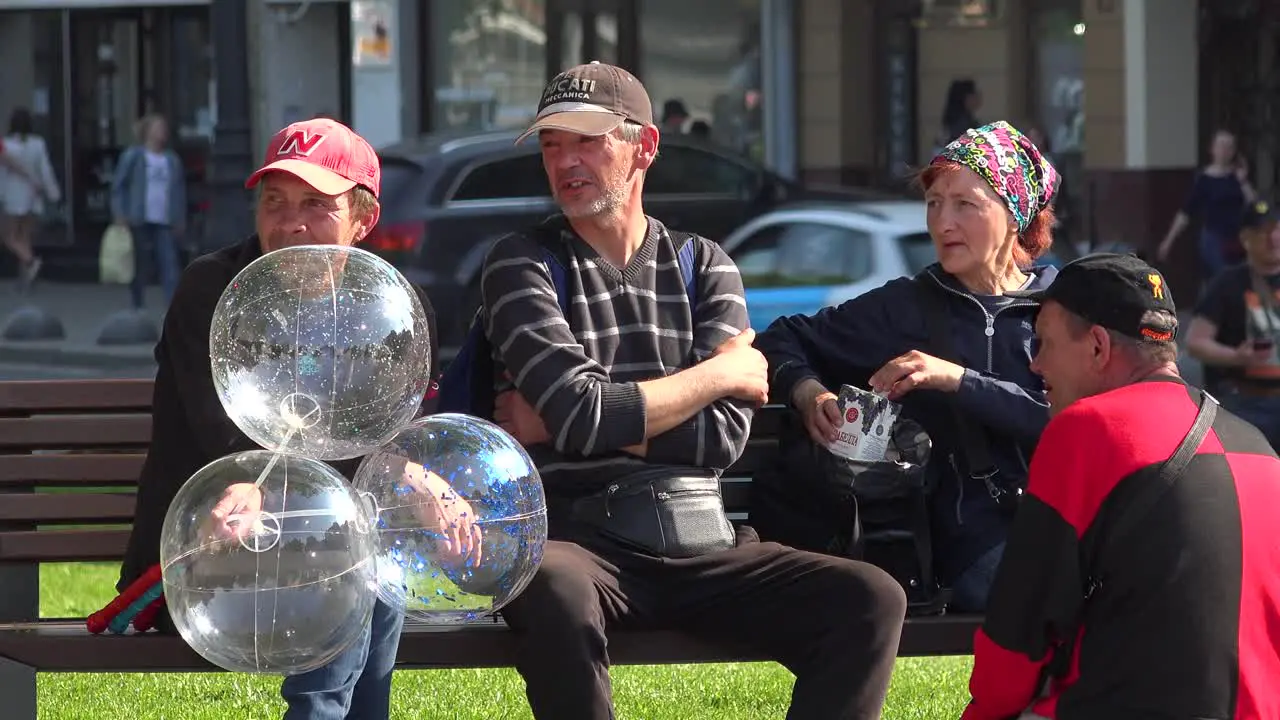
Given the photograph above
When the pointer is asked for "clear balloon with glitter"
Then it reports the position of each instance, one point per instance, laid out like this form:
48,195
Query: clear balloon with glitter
320,350
461,518
268,563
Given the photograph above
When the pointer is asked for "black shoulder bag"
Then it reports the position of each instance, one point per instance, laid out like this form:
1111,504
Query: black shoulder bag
973,437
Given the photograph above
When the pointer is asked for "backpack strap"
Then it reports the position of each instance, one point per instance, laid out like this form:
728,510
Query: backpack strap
687,257
558,279
548,236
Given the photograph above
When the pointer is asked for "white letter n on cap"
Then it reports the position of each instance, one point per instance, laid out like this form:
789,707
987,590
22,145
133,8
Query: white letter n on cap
300,142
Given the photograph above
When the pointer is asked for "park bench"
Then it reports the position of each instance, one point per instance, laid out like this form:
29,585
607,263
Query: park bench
92,435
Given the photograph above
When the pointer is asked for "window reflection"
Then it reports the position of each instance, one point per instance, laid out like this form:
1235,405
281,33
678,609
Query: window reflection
701,64
489,60
1059,104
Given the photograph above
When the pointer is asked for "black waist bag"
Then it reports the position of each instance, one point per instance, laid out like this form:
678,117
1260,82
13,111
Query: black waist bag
665,512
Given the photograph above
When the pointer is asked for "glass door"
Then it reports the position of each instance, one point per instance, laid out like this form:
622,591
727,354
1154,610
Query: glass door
106,89
579,31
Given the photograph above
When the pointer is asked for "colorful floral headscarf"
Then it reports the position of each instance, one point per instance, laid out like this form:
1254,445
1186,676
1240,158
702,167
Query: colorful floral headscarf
1011,163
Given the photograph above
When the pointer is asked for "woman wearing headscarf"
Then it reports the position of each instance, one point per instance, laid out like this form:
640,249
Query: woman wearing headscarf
988,195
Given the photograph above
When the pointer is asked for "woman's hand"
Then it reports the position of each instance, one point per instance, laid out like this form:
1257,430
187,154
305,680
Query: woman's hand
916,371
819,408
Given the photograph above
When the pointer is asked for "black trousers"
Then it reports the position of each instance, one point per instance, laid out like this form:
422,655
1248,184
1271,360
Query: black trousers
835,623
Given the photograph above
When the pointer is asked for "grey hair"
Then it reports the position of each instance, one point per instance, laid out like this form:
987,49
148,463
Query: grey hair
1143,352
630,131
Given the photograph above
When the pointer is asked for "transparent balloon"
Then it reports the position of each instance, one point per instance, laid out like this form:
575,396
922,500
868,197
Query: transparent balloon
268,563
320,350
461,518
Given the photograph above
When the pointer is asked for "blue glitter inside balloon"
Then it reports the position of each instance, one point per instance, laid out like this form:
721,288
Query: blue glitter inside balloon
473,476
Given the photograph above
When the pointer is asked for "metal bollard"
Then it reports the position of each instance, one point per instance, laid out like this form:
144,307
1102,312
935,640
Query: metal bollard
128,327
32,323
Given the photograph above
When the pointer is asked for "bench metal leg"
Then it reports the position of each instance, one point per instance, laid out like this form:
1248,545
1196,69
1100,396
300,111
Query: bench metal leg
18,688
19,602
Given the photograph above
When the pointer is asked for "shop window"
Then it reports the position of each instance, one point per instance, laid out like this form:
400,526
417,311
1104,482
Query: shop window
700,62
1058,39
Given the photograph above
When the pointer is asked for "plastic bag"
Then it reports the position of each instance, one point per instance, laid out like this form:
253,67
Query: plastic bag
115,260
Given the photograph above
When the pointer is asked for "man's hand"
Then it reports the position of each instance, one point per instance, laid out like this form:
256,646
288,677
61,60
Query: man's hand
441,510
238,514
515,415
916,371
743,368
820,410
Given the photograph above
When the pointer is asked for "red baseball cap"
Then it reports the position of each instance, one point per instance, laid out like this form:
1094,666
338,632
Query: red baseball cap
325,154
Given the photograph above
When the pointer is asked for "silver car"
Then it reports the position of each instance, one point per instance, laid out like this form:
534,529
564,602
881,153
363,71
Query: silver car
804,257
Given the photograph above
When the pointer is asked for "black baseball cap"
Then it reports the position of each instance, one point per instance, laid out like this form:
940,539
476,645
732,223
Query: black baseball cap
1259,214
591,99
1114,291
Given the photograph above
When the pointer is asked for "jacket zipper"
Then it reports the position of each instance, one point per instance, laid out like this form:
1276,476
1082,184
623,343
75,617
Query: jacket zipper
607,496
990,332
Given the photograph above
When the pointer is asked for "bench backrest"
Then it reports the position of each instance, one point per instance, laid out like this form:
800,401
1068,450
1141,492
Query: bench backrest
71,452
70,455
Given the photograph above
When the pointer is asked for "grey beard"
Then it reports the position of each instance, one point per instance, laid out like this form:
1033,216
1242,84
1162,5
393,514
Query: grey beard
608,202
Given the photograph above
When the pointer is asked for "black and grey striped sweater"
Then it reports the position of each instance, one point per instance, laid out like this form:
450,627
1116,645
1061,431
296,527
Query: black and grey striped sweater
624,326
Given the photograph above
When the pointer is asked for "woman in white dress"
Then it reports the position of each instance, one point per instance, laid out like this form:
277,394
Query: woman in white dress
26,183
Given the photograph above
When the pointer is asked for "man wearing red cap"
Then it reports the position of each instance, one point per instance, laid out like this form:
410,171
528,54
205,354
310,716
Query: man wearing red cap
318,185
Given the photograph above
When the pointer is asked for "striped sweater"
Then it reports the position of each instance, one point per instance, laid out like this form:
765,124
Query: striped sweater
624,326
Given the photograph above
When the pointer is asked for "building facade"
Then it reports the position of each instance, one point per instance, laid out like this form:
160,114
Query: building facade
828,91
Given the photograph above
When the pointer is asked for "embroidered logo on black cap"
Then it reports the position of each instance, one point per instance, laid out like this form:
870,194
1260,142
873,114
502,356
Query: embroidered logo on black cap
1157,286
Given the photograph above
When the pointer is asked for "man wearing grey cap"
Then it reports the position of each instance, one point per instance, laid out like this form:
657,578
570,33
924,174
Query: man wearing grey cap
623,362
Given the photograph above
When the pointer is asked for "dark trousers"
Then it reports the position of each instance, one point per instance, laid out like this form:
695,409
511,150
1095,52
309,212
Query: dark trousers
835,623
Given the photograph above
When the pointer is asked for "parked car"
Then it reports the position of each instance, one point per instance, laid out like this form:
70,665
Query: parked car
806,256
446,199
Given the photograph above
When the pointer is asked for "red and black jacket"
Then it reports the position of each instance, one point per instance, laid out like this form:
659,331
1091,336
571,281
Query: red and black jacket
1187,622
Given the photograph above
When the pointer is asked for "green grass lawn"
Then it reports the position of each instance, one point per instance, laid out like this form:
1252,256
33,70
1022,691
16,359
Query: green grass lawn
923,688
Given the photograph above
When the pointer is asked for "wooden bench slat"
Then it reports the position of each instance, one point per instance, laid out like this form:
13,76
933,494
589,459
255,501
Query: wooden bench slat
54,432
62,545
736,494
83,508
68,647
24,396
71,469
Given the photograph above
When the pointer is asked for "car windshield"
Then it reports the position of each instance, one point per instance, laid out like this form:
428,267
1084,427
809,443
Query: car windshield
917,250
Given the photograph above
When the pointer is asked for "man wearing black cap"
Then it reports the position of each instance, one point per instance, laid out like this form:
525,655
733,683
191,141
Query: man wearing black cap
1236,325
632,384
1140,579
